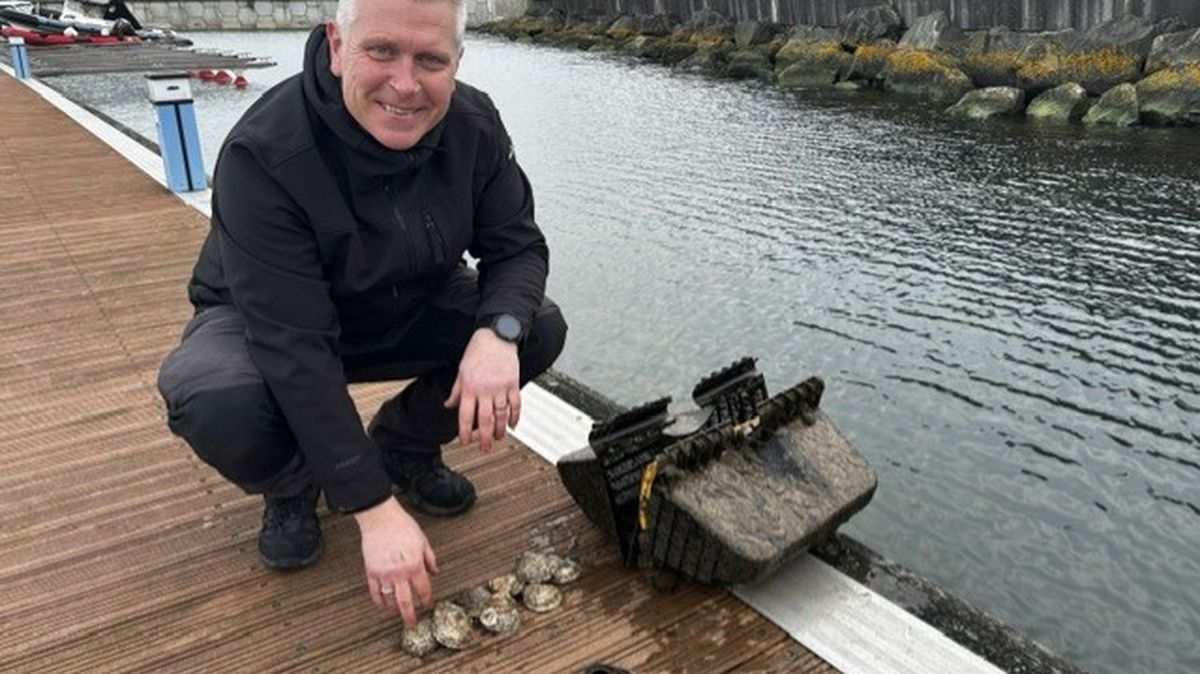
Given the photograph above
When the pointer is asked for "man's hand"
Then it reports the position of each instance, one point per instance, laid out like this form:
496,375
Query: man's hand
397,559
488,388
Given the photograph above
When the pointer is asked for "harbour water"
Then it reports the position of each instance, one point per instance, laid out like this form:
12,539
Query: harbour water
1005,314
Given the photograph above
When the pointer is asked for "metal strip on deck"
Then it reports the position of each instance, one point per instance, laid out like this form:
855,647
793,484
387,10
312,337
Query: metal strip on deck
121,551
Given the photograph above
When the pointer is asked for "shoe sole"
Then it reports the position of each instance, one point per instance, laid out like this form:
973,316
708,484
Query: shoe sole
292,563
428,508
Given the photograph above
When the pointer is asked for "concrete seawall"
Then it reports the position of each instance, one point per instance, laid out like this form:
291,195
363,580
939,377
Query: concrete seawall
1016,14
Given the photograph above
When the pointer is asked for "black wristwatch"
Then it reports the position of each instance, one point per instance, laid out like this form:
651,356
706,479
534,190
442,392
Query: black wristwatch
506,327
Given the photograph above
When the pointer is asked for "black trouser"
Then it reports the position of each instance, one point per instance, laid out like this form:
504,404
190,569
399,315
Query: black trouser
218,402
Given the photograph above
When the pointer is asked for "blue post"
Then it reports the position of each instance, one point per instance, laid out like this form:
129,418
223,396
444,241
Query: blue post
20,57
178,136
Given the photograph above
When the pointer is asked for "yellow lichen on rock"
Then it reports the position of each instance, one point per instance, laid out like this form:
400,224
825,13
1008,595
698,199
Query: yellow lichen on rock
1102,69
793,52
870,59
1179,77
707,40
1042,74
917,61
931,75
811,64
993,68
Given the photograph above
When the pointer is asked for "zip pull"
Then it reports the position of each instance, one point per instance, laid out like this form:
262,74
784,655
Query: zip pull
435,238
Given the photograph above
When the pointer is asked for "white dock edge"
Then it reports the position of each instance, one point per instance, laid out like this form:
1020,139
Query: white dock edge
849,626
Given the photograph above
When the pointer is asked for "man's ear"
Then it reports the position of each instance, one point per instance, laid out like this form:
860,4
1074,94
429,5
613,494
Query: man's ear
335,48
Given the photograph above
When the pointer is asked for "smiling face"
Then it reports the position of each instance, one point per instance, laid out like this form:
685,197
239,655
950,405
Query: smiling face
397,60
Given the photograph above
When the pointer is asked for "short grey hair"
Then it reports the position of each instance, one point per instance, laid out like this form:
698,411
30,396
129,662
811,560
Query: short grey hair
347,12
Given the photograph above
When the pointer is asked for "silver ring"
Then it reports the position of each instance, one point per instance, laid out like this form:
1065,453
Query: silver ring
387,591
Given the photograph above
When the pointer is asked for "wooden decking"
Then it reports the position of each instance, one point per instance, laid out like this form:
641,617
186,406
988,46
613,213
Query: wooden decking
119,550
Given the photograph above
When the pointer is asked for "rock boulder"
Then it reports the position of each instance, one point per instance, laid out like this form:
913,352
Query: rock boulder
657,25
869,61
800,42
925,74
1171,96
1128,33
988,103
813,65
749,33
1064,103
868,24
1174,49
749,64
1117,107
932,31
623,28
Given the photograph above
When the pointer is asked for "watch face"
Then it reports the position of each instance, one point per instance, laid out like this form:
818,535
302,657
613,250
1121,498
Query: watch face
507,327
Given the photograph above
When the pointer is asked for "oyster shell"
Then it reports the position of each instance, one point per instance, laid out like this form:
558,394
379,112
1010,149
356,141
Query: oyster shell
499,619
451,625
568,571
419,640
508,584
473,600
540,597
503,601
536,567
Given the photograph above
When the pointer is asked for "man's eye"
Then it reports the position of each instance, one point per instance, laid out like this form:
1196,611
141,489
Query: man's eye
379,52
430,61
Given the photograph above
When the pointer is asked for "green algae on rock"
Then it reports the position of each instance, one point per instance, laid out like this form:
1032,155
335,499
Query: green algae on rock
1117,107
1064,103
989,102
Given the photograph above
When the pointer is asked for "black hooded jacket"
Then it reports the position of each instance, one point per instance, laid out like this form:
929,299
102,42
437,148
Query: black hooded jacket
327,242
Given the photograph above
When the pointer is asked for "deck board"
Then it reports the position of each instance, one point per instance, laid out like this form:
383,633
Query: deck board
120,551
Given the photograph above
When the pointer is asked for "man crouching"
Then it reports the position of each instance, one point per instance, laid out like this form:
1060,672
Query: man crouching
343,202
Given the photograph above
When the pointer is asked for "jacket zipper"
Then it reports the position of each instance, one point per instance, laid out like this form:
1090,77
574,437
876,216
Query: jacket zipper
407,245
435,238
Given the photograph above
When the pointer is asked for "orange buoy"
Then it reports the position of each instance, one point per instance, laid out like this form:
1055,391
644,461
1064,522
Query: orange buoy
241,82
222,78
206,75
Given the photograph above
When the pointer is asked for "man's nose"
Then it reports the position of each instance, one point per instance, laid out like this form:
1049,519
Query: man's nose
404,79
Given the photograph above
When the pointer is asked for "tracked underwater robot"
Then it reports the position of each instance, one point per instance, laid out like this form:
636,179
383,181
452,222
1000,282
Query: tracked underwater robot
723,490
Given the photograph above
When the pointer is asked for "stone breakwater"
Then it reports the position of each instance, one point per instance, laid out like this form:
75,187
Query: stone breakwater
1124,71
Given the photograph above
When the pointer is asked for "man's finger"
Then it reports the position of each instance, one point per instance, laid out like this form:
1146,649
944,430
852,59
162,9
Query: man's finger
466,417
404,604
422,589
502,414
431,560
455,392
514,407
376,596
486,424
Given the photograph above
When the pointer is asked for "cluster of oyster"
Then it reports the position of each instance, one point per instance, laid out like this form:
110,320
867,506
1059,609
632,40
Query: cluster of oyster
534,583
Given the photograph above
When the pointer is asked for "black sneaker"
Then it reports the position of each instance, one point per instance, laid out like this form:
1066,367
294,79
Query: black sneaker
291,533
428,484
